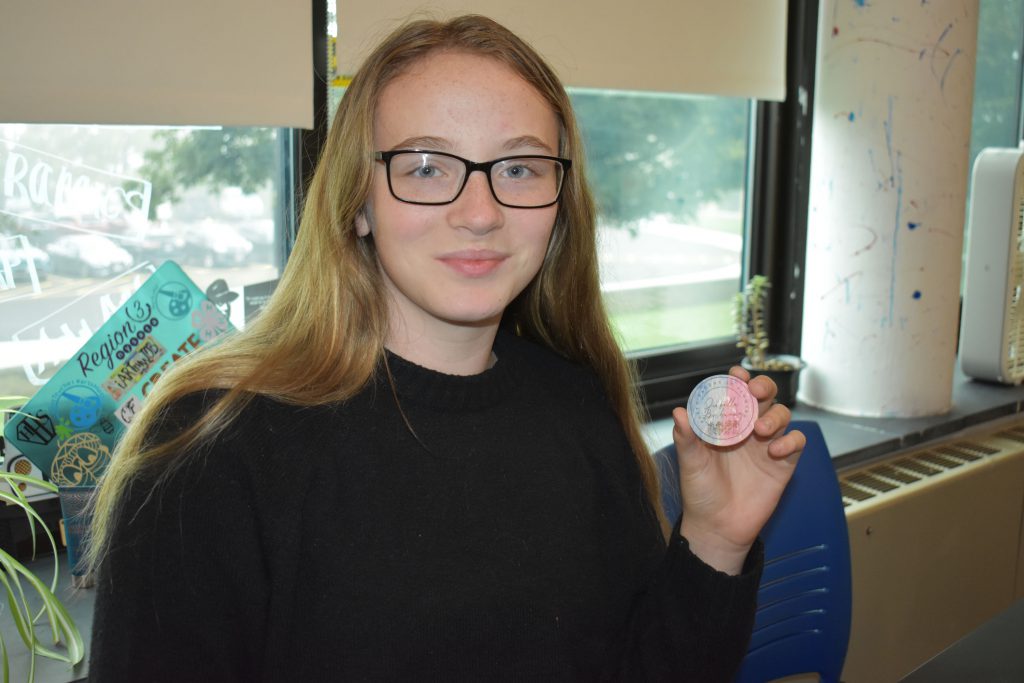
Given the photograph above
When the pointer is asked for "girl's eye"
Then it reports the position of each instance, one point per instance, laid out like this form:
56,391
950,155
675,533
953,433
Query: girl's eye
426,172
520,171
420,166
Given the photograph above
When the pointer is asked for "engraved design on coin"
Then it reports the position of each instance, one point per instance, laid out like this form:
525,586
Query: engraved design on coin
721,410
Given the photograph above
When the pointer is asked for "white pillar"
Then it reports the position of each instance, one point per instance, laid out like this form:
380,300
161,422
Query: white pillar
889,172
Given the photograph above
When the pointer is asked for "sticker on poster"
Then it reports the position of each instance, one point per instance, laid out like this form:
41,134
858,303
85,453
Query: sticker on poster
79,403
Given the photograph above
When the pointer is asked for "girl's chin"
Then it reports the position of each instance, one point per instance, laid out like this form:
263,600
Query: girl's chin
473,319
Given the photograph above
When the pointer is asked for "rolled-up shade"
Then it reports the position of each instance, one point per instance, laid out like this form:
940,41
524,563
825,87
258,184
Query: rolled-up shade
186,62
720,47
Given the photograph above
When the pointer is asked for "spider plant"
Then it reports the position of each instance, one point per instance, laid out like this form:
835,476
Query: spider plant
19,582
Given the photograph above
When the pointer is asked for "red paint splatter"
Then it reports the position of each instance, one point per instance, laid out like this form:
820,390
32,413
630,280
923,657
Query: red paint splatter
835,30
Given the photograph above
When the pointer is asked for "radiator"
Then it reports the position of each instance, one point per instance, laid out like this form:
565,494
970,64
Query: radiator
937,545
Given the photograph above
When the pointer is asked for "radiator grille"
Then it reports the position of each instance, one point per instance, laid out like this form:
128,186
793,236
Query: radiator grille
862,485
1014,434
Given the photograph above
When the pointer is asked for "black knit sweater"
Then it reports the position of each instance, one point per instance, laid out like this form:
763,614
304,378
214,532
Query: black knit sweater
506,536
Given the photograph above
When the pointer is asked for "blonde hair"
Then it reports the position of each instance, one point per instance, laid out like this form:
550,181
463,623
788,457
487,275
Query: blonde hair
322,333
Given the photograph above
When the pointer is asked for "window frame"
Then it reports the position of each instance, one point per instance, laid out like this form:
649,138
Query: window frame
300,148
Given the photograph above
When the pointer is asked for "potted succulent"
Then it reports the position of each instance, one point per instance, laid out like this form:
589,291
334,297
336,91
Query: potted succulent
752,336
22,587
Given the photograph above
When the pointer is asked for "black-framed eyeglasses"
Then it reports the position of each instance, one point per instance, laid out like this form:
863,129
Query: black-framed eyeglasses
531,181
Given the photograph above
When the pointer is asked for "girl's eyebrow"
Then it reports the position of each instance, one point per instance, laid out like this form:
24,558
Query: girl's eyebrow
427,142
430,142
528,141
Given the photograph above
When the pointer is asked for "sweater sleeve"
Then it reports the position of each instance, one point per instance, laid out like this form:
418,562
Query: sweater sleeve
182,593
693,623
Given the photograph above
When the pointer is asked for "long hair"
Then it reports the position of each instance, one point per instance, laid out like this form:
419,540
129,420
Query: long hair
323,331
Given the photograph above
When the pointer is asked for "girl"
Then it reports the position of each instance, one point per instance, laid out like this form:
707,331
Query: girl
424,460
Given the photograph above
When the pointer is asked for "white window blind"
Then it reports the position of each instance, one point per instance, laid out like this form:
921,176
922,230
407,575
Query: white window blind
186,62
719,47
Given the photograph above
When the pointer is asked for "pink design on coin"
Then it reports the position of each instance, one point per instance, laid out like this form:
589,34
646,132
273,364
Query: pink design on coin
721,410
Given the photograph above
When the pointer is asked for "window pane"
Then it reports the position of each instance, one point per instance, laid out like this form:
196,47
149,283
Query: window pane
997,75
997,81
87,212
669,176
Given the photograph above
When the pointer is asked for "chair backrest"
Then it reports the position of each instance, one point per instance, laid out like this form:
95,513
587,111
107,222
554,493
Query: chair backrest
804,600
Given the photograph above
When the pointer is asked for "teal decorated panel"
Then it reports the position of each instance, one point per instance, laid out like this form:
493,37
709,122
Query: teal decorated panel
69,428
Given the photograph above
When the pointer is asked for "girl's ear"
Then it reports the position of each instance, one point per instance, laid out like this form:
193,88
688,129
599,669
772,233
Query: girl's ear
362,225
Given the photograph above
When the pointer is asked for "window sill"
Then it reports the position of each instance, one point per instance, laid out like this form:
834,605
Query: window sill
853,440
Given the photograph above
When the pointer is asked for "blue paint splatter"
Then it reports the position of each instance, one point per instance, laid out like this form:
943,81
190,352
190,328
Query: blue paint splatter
860,3
917,293
912,225
851,117
895,180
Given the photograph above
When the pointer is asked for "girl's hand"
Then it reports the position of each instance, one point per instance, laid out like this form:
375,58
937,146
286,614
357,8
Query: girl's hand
729,492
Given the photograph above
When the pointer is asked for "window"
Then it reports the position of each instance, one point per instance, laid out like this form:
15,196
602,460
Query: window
996,114
87,212
995,121
669,177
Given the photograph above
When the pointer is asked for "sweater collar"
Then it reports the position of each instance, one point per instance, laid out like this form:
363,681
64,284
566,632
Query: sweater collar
442,391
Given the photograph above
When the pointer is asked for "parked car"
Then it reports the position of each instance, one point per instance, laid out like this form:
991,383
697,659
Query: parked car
88,256
259,231
17,259
212,243
154,241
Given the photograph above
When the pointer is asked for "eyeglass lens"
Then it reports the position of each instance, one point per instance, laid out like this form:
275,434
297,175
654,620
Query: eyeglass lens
438,178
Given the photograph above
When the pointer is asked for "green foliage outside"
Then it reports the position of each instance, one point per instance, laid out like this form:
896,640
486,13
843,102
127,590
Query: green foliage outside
660,154
214,158
997,75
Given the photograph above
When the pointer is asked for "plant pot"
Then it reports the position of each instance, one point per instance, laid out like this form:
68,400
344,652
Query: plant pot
787,380
74,503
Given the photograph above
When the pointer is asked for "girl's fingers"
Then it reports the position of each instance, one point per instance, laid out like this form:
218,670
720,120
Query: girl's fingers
761,387
787,445
738,371
775,419
682,424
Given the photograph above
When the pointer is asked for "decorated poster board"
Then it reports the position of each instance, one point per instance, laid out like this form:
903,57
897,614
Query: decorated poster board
70,427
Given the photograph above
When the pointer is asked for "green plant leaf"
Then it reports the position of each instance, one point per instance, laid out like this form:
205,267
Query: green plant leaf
33,515
60,620
10,400
3,659
26,479
16,490
22,621
62,626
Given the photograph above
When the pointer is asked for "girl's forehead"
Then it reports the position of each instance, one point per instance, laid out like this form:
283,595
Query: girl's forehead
453,67
462,95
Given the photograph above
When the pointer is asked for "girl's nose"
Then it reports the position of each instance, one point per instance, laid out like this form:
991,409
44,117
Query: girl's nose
476,208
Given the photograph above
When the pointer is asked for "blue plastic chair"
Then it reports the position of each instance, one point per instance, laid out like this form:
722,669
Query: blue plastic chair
804,600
